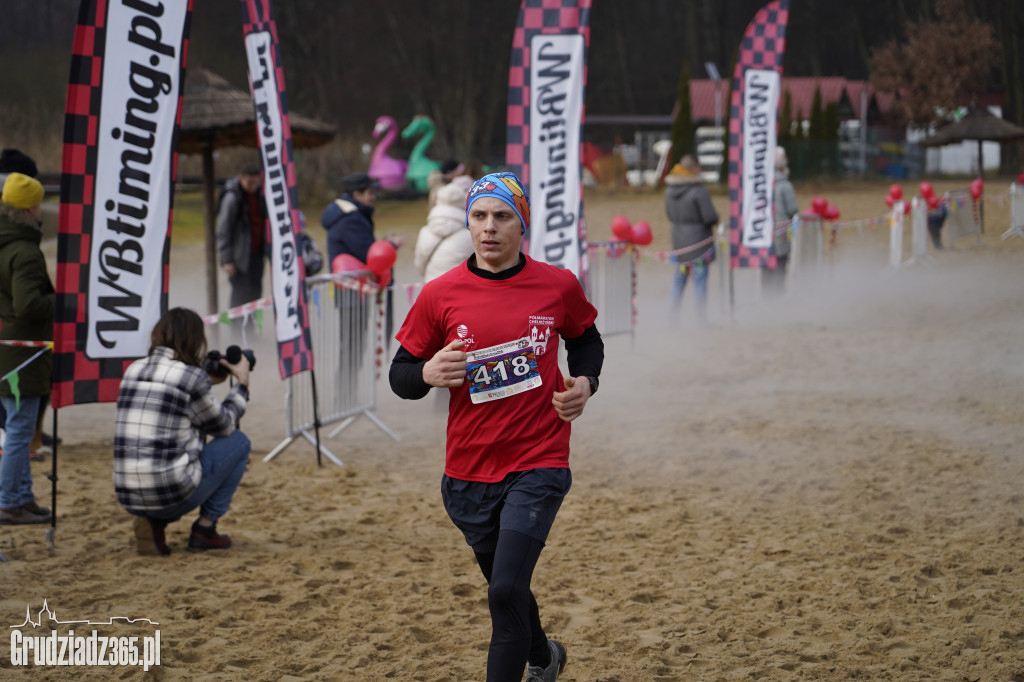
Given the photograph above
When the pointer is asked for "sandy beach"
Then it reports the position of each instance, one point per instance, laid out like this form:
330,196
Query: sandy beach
822,487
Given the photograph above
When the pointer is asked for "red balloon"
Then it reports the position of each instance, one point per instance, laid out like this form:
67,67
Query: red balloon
896,192
641,234
381,256
977,187
622,229
906,208
819,204
927,191
1020,179
831,213
933,202
345,262
384,278
889,201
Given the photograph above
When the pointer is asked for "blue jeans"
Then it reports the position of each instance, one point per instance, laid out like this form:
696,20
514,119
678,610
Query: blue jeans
700,284
15,468
223,460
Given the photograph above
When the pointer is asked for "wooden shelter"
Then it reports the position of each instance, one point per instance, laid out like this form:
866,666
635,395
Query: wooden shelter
216,114
978,124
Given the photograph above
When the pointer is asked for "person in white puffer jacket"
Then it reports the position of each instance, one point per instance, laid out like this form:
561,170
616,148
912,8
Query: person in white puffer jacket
444,241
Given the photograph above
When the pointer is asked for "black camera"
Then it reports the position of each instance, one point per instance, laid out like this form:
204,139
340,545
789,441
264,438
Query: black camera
233,355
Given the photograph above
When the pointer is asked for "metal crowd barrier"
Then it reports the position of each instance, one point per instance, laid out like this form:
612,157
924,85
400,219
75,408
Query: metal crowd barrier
346,324
964,219
612,286
808,250
1016,211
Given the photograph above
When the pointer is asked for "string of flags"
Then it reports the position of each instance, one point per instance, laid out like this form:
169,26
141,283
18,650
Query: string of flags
28,344
12,376
668,255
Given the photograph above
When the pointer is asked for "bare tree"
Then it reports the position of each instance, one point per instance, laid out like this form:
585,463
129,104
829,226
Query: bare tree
941,64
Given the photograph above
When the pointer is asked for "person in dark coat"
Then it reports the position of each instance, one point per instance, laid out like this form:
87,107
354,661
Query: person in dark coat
936,219
26,313
349,218
693,217
241,235
349,224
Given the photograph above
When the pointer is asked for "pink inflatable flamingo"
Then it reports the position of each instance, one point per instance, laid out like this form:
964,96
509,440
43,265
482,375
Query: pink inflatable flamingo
389,171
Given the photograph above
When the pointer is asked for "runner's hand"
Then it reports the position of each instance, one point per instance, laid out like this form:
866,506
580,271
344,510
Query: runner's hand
570,403
447,369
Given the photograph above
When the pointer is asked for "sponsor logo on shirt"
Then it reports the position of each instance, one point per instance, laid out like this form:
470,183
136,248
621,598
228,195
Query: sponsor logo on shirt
541,327
463,333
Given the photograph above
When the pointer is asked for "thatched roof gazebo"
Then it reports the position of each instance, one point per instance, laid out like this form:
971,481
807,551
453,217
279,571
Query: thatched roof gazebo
978,124
216,114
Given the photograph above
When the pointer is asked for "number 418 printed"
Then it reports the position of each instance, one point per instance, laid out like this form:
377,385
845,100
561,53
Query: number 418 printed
520,368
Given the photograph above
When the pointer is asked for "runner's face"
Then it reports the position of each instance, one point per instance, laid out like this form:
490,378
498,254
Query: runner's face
497,234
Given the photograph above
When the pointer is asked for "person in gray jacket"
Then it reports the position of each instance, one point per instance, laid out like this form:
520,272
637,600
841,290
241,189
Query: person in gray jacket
784,207
241,235
693,219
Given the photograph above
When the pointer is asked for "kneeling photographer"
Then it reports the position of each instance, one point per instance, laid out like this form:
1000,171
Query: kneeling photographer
176,446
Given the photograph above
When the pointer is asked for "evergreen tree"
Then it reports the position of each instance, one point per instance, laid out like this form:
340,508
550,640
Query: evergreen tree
785,119
817,126
831,122
682,126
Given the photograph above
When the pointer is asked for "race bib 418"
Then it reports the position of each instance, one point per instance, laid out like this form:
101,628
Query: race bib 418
502,371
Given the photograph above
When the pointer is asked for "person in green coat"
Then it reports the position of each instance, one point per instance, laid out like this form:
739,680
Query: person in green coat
26,314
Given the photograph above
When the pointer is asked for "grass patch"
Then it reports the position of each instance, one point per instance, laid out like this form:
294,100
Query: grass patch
188,224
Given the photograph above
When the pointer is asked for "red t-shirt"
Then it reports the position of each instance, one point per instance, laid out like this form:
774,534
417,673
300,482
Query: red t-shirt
488,440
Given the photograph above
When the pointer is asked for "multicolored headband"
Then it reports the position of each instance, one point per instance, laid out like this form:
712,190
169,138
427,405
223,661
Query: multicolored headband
505,186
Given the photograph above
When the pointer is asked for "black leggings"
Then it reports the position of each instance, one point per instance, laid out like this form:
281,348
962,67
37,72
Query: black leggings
516,633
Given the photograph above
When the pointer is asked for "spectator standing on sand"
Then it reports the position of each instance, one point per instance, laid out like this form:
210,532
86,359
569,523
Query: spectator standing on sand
936,220
26,311
785,207
242,235
693,217
16,161
349,224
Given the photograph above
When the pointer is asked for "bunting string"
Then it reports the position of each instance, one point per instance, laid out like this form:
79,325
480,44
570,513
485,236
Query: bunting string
240,311
28,344
666,255
12,376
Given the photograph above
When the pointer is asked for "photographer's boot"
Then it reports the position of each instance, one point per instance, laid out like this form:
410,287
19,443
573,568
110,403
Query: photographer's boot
149,537
207,537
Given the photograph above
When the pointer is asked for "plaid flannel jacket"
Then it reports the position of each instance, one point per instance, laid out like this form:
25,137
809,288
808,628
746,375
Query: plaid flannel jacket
165,409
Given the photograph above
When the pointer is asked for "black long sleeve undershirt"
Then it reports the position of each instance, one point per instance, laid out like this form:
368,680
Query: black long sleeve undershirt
406,375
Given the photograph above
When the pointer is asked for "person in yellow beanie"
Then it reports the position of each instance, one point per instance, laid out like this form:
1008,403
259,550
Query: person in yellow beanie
26,313
693,218
21,191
